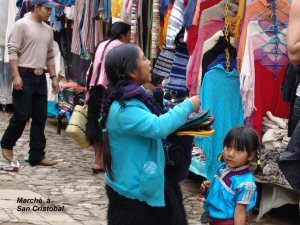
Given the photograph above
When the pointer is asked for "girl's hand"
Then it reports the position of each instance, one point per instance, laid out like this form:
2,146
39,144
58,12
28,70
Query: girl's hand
204,186
196,102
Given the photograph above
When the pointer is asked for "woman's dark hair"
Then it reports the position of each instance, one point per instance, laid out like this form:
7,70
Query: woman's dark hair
115,32
117,29
119,62
242,137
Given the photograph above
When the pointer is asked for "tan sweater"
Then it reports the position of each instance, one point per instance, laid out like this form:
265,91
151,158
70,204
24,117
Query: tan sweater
31,43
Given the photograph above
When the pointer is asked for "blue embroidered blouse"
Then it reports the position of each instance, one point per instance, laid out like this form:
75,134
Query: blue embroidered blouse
230,186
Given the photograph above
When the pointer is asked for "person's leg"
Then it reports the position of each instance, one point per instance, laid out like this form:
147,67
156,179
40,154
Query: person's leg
98,166
39,116
295,116
174,202
22,102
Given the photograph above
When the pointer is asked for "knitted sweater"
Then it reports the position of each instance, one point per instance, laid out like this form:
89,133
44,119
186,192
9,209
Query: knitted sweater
175,23
247,75
220,94
254,9
208,30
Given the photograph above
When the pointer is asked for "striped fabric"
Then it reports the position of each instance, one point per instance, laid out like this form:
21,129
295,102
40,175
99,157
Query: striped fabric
134,22
84,38
164,63
177,80
155,28
175,24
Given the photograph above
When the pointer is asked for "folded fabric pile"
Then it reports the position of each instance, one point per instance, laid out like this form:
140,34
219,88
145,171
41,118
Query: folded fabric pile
274,129
270,171
274,143
198,124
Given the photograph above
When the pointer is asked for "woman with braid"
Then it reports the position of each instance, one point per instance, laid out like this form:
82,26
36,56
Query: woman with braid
97,83
133,126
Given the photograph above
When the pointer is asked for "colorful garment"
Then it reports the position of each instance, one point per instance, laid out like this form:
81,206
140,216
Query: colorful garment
220,94
230,186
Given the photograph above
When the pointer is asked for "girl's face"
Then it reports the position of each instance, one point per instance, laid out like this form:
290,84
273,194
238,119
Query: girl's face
142,75
236,158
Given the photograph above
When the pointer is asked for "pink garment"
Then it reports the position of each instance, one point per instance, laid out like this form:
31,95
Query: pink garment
102,76
206,32
257,53
256,34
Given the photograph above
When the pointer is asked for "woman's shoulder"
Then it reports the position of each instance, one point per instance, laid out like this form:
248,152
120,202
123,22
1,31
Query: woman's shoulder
128,103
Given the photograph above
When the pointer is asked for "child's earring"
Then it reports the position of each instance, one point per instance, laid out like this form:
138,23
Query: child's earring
251,157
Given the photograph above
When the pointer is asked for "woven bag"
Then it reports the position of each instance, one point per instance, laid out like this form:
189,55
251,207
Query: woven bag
76,128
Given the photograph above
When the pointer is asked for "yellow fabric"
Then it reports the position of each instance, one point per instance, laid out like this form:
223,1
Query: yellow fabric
116,8
200,133
165,28
236,22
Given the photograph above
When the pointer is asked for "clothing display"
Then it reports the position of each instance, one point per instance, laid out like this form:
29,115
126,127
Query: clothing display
234,57
226,106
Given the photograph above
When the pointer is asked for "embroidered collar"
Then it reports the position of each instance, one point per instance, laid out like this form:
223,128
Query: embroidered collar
237,169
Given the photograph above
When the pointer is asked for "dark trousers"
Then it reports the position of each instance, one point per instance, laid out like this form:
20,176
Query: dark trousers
31,102
294,116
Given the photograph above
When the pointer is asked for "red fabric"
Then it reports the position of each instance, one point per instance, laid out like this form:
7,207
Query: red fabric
193,31
268,95
222,222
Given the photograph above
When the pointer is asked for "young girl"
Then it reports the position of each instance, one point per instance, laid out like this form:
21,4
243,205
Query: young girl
138,189
232,192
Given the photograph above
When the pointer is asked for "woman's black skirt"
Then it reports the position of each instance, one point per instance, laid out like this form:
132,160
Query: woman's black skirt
125,211
93,130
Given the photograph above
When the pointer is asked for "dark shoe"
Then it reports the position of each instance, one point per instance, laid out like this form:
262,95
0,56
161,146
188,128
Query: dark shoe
99,170
7,154
47,162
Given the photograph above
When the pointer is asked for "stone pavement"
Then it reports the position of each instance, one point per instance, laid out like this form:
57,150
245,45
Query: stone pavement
69,186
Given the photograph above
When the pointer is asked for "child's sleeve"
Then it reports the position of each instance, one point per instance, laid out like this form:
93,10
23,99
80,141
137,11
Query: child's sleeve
245,193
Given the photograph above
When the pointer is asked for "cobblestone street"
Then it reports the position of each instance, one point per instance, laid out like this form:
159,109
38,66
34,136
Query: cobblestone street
70,184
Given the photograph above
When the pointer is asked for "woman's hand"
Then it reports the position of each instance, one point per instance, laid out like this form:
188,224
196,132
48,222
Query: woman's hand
196,102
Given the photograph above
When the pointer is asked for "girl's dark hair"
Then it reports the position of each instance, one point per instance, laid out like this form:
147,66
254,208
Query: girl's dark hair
119,62
242,137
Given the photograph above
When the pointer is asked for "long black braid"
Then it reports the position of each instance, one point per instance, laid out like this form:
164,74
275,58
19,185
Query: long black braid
118,64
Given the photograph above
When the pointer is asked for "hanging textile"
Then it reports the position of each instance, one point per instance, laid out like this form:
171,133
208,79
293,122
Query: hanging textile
253,9
220,94
5,72
175,23
134,22
83,31
207,31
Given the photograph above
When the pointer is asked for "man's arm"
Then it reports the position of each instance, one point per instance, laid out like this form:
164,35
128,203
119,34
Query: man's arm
294,33
15,41
17,80
52,72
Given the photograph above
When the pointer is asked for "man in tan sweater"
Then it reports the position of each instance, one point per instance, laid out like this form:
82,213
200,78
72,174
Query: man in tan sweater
31,53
